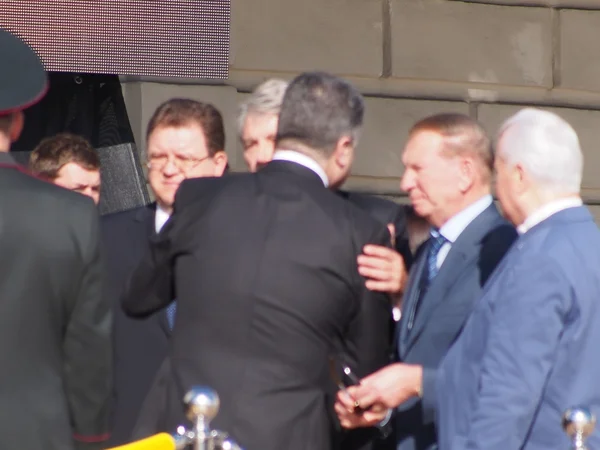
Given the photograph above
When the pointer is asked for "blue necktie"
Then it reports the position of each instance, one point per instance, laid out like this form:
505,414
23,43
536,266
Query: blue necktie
437,241
171,310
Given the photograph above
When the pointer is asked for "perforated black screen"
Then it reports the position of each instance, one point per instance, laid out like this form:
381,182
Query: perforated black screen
165,38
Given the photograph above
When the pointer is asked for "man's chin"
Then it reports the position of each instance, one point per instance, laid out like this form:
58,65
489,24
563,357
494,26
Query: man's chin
419,209
166,201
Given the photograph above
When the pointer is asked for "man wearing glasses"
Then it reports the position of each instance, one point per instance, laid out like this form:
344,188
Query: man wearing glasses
184,139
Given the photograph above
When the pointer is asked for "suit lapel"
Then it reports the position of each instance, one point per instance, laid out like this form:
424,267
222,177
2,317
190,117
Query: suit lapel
145,219
463,254
411,297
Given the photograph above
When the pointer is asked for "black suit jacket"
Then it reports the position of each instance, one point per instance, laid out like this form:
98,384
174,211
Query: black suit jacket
55,359
386,212
264,269
140,345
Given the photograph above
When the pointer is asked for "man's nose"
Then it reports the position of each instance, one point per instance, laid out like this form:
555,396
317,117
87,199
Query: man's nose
407,181
91,192
170,168
265,153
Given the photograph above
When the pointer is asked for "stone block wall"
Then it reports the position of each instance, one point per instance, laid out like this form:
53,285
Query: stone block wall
411,58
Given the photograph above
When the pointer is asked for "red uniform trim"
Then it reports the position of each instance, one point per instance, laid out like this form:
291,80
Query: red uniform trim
23,170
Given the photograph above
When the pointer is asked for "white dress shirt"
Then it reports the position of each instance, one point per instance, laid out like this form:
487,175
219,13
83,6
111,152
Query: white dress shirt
549,209
453,228
160,218
303,160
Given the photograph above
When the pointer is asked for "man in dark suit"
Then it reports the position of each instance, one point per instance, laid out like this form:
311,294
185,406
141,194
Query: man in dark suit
261,307
448,161
529,351
185,139
55,336
258,117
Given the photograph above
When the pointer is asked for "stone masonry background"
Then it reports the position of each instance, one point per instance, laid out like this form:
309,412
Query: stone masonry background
411,58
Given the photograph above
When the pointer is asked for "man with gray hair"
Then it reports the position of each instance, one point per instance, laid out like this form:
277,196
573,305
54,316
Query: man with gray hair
257,122
529,349
261,310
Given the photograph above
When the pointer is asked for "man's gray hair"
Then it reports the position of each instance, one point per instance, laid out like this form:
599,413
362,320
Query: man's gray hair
546,146
265,99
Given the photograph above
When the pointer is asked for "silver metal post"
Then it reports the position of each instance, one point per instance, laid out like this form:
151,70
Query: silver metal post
578,422
202,405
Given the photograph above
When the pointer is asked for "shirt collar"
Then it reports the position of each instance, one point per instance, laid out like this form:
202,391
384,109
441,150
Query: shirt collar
160,218
549,209
303,160
452,229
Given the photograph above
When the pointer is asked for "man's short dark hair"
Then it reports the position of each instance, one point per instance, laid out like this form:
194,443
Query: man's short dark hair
182,112
52,153
318,109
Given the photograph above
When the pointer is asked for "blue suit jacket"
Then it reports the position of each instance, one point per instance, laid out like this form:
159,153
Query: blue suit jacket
442,313
530,349
140,345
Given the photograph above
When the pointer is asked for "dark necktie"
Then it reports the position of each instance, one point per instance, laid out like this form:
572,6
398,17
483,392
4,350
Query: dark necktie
171,310
437,242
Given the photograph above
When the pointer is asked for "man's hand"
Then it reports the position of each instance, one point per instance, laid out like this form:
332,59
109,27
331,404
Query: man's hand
352,417
387,388
383,267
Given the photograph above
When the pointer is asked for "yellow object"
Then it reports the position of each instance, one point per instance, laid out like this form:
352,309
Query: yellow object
161,441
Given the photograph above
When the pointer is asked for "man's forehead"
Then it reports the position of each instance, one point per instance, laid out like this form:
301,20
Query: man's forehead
421,143
177,132
78,177
425,136
76,168
179,140
256,120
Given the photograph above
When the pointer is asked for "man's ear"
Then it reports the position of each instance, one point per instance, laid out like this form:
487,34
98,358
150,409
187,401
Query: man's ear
468,170
220,159
520,179
344,152
16,126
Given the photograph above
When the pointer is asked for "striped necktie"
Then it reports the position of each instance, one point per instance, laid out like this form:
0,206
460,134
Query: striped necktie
437,241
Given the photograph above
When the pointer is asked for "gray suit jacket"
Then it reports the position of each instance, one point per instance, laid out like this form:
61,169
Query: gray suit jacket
425,337
55,358
530,348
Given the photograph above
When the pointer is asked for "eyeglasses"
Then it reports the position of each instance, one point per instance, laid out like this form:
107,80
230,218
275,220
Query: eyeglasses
183,163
